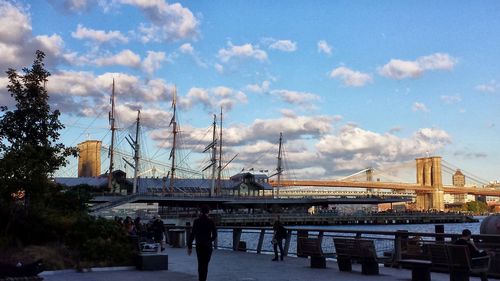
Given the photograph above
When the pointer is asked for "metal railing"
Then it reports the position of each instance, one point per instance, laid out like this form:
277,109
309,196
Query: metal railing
393,243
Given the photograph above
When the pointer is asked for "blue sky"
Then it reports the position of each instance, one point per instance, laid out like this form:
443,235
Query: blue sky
351,84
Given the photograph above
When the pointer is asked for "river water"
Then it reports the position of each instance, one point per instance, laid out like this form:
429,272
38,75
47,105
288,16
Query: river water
429,228
251,237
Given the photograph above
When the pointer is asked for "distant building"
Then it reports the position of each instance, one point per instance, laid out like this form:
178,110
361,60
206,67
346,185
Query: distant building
89,160
242,184
458,179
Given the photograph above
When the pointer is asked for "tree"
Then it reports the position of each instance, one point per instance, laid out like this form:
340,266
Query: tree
29,136
476,207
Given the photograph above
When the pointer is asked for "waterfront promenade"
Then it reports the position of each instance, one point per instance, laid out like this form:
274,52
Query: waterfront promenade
238,266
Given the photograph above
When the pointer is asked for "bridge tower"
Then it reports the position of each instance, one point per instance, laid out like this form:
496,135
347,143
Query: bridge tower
429,174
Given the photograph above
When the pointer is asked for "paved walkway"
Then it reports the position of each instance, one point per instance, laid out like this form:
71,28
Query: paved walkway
238,266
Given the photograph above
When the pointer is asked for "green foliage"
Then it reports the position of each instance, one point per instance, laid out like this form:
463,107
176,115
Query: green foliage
49,214
100,242
476,207
29,135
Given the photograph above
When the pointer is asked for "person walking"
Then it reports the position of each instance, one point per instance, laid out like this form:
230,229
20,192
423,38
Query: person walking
205,233
279,233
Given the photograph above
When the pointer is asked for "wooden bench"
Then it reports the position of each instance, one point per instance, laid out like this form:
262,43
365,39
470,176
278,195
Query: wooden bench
361,250
437,260
448,258
312,247
461,264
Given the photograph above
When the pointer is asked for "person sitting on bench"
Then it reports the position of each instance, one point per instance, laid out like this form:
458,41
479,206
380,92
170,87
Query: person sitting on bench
466,240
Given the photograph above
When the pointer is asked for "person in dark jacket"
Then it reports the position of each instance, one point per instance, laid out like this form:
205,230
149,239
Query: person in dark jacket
279,233
158,230
466,240
205,233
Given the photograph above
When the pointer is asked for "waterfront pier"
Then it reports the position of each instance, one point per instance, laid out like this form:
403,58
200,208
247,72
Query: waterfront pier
231,261
239,266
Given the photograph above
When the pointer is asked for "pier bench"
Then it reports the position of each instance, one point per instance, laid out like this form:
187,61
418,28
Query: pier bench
312,247
461,264
437,260
355,249
454,259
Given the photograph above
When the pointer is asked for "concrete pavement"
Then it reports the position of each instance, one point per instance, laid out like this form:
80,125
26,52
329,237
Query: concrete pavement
237,266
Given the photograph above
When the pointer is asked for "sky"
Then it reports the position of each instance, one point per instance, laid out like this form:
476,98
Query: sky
350,84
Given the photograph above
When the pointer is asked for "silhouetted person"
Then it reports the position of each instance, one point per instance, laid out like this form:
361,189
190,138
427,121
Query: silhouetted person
204,232
466,240
279,233
158,230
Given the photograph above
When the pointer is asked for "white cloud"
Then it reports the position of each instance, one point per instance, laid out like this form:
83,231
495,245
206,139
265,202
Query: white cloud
418,106
293,127
76,6
350,77
219,68
298,98
125,58
451,99
437,61
214,98
153,61
284,45
256,88
400,69
244,51
53,45
324,47
395,130
169,22
186,48
15,23
353,148
87,94
490,87
17,43
99,36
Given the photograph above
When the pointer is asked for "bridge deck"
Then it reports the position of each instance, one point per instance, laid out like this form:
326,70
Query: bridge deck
389,185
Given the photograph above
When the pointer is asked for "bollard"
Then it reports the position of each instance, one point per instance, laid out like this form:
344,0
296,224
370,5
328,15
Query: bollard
301,234
439,229
236,238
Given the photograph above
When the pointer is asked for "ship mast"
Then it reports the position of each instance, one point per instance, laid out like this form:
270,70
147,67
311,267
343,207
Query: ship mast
214,156
111,149
134,143
136,151
279,168
173,122
219,169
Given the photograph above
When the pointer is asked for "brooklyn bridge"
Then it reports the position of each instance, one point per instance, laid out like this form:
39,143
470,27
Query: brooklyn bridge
429,188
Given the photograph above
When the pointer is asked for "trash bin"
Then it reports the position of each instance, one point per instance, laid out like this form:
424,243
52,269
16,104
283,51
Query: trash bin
177,238
242,246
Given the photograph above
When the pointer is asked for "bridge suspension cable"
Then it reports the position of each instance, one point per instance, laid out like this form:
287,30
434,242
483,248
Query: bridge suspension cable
469,176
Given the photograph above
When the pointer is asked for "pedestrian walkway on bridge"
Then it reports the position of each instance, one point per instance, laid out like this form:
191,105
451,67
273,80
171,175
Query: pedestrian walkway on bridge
238,266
